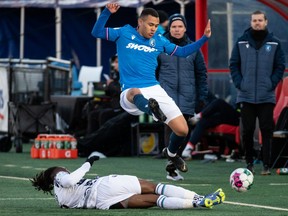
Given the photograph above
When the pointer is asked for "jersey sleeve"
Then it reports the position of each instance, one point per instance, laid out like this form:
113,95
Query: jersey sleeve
66,179
187,50
100,31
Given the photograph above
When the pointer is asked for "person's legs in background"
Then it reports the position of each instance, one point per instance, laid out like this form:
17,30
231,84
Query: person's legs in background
248,117
266,124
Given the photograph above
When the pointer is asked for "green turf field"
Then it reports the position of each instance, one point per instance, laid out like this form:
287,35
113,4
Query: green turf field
268,196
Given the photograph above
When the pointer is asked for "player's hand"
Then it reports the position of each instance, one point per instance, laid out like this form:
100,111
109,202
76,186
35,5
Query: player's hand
92,159
207,31
113,7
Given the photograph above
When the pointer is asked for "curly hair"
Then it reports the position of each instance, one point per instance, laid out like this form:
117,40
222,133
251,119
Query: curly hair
44,181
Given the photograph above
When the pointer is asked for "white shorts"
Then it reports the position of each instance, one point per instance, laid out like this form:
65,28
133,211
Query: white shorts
116,188
166,103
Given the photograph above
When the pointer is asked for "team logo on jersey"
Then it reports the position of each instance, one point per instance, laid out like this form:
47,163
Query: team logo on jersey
268,48
133,37
140,47
152,42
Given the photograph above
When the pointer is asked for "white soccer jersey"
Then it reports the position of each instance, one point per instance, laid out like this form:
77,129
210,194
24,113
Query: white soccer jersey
73,191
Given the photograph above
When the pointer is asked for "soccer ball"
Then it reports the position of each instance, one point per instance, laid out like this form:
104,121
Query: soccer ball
241,179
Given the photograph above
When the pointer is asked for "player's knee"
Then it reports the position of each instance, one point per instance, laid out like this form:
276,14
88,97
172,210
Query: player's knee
183,131
132,92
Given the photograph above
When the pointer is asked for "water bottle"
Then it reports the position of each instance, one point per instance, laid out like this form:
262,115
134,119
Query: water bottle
142,118
282,171
90,89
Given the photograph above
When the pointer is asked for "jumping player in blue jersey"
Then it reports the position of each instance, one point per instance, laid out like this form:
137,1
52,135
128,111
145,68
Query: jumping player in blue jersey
137,50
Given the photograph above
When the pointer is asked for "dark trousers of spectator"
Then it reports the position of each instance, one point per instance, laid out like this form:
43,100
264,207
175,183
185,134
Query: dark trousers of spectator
249,113
216,113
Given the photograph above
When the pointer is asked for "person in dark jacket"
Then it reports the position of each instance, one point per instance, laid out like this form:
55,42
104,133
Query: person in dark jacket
184,79
257,65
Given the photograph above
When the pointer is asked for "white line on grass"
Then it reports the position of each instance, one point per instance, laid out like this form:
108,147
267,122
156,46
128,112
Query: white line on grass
4,199
15,178
10,165
198,185
278,184
256,206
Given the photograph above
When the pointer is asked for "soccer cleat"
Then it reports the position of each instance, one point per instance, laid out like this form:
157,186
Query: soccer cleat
251,167
156,111
266,171
177,161
212,199
187,154
172,172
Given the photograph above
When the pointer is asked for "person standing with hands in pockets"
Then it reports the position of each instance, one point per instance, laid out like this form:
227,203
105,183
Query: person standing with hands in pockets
137,50
257,65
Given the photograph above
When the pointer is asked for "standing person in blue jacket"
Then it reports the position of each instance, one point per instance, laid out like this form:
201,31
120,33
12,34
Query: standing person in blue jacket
257,65
184,79
137,50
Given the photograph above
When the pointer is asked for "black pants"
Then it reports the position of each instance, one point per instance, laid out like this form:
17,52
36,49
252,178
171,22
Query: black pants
216,113
249,113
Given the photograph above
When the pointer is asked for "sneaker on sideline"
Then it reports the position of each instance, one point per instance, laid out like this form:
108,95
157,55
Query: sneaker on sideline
251,168
187,154
266,171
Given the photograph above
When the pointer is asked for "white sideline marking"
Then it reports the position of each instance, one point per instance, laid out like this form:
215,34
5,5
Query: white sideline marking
279,184
15,178
256,206
3,199
198,185
10,165
26,167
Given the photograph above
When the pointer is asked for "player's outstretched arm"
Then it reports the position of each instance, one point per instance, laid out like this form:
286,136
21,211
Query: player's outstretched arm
92,158
112,7
74,177
193,47
99,30
207,31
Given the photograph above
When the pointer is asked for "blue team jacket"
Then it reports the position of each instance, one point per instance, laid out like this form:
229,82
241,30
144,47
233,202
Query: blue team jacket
184,79
256,73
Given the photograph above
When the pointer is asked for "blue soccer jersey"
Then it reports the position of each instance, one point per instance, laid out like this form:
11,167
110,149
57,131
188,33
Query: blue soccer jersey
137,55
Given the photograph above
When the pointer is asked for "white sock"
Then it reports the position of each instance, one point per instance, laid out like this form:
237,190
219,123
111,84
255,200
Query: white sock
170,153
174,203
174,191
189,146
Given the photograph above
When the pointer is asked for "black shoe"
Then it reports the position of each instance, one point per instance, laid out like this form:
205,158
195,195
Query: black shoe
251,167
172,172
266,170
177,161
155,109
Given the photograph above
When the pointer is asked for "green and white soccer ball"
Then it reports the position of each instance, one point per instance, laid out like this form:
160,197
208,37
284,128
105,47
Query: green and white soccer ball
241,179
